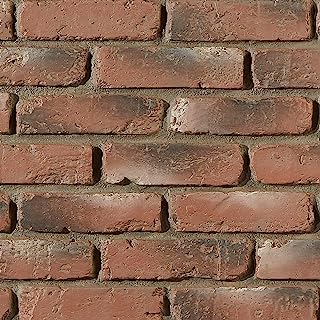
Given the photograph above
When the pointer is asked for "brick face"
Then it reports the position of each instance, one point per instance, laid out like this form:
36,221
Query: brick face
174,164
89,19
274,212
195,20
152,67
225,116
176,259
7,20
89,114
7,310
108,212
82,303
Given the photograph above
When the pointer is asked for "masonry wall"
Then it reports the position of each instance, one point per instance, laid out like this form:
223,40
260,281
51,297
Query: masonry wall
159,160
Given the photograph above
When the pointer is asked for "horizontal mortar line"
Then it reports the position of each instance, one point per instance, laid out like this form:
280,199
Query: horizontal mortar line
195,282
161,42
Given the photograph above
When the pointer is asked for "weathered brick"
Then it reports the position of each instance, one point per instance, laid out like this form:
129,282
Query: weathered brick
7,310
286,68
52,164
285,164
7,102
152,67
6,20
215,115
229,20
176,259
89,114
89,19
82,303
41,259
5,214
281,303
42,66
46,212
242,212
173,164
294,259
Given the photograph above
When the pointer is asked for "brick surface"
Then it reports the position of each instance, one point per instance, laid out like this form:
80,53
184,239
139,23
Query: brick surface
89,19
5,214
89,114
151,67
286,68
174,164
108,212
242,212
42,66
285,164
41,259
7,102
226,116
7,310
6,20
295,259
176,259
52,164
82,303
281,303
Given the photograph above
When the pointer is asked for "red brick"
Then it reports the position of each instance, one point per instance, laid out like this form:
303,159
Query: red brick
46,212
5,214
278,303
286,68
89,19
214,115
152,67
173,164
42,66
242,212
229,20
52,164
295,259
7,310
89,114
285,164
24,259
7,20
176,259
7,102
83,303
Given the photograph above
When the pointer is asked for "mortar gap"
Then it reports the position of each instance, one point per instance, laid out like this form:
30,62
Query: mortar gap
88,68
165,224
166,304
163,20
315,117
247,71
313,18
96,262
15,307
97,164
13,209
246,173
14,20
13,116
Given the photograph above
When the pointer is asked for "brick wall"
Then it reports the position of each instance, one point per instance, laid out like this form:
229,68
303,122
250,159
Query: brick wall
159,161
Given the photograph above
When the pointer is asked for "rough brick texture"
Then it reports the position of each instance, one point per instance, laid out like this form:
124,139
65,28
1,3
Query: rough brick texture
89,114
296,259
176,259
7,101
242,212
82,303
225,116
52,164
286,68
108,212
42,259
5,213
89,19
286,164
42,66
174,164
196,20
152,67
281,303
7,20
